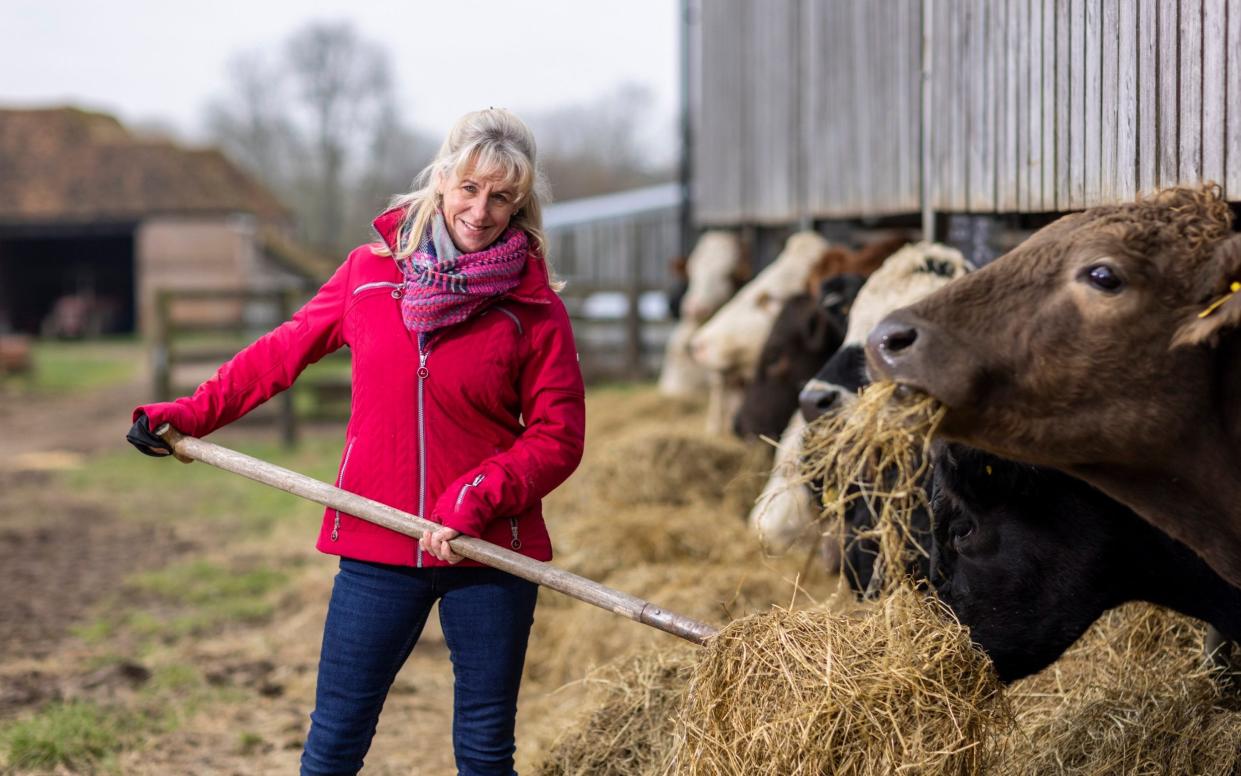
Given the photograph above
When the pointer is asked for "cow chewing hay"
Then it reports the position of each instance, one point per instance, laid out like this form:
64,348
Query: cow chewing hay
877,451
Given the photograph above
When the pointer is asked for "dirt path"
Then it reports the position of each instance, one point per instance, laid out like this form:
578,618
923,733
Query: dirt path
42,432
66,555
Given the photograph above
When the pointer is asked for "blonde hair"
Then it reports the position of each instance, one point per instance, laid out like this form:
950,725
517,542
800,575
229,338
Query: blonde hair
486,140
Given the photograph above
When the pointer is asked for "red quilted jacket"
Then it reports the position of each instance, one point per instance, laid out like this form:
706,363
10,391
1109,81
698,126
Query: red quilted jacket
471,430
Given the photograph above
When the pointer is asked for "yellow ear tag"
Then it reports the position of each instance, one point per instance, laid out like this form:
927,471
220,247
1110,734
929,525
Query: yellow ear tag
988,470
1232,289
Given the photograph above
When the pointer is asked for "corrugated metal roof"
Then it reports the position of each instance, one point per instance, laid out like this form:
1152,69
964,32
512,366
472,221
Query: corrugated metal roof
622,204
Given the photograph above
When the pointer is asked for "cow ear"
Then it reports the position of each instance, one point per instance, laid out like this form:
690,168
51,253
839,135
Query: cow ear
831,262
1223,311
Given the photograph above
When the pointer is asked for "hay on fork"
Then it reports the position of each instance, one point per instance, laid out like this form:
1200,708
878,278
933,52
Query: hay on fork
898,689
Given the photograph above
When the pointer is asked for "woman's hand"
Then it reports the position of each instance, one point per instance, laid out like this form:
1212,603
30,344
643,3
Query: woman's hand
436,542
142,437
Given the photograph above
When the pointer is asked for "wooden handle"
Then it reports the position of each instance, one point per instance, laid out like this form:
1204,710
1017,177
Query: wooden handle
188,448
167,431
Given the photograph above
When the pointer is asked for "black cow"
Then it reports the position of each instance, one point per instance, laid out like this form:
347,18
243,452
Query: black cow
1029,557
806,332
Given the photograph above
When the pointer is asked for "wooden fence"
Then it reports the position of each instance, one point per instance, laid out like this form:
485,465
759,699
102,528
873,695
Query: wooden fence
616,245
199,329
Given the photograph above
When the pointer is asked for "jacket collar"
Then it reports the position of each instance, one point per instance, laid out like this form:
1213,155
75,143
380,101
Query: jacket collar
534,287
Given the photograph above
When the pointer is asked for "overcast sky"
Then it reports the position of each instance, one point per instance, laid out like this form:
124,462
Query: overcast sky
160,61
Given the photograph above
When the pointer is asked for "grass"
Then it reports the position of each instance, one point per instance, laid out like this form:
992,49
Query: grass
238,507
183,600
75,735
79,367
206,596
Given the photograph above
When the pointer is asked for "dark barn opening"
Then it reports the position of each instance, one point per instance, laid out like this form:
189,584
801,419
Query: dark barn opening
67,283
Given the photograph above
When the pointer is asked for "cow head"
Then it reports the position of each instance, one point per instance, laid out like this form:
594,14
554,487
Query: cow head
715,269
1087,343
1027,558
806,332
730,342
905,277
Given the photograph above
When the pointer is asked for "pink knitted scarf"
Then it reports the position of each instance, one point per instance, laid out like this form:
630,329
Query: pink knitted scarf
443,290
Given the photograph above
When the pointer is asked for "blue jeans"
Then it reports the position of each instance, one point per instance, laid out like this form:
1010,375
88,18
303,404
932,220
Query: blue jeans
373,621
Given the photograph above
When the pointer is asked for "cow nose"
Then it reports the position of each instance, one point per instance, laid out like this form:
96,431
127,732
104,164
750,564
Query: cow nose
892,336
817,401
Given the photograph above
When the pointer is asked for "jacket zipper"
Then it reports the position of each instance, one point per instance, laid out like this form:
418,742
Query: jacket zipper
422,442
339,479
397,288
512,524
466,487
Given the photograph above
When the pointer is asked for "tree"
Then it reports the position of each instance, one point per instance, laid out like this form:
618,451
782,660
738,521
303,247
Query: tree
604,145
317,122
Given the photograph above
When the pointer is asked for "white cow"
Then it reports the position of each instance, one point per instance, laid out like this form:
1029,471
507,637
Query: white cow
780,516
784,514
713,267
728,345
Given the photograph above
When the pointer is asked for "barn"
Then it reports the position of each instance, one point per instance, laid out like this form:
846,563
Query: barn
964,116
94,219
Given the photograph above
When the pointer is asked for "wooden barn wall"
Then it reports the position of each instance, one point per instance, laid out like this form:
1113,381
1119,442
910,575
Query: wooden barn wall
812,108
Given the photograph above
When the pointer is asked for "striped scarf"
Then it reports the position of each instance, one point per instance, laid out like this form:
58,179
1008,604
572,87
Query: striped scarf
444,286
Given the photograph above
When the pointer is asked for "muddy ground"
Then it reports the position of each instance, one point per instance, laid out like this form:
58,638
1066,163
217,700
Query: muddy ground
67,558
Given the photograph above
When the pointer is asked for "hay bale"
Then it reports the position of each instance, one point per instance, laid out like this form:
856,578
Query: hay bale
627,728
678,468
571,639
899,690
635,535
1133,696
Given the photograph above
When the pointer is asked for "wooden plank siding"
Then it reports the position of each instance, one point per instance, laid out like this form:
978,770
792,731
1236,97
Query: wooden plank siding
1214,86
1148,96
810,109
1232,110
1126,174
1047,159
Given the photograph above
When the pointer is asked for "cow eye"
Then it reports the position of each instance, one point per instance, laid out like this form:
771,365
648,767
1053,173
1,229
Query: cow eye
959,533
1104,278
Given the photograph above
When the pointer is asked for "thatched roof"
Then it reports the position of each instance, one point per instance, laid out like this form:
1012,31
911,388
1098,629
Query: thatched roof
65,164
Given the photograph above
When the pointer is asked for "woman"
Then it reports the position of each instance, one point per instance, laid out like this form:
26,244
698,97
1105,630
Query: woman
468,408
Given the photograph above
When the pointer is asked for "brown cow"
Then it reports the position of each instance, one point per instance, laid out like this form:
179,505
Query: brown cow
1106,345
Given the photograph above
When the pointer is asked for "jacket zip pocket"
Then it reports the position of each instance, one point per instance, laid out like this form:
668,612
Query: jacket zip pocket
397,288
464,488
339,479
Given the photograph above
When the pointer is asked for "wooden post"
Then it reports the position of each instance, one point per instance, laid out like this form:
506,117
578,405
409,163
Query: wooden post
188,448
161,354
288,417
633,317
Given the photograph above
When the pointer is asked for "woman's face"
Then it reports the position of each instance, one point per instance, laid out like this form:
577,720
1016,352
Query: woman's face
477,209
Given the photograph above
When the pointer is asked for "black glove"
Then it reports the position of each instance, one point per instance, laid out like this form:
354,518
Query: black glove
141,437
